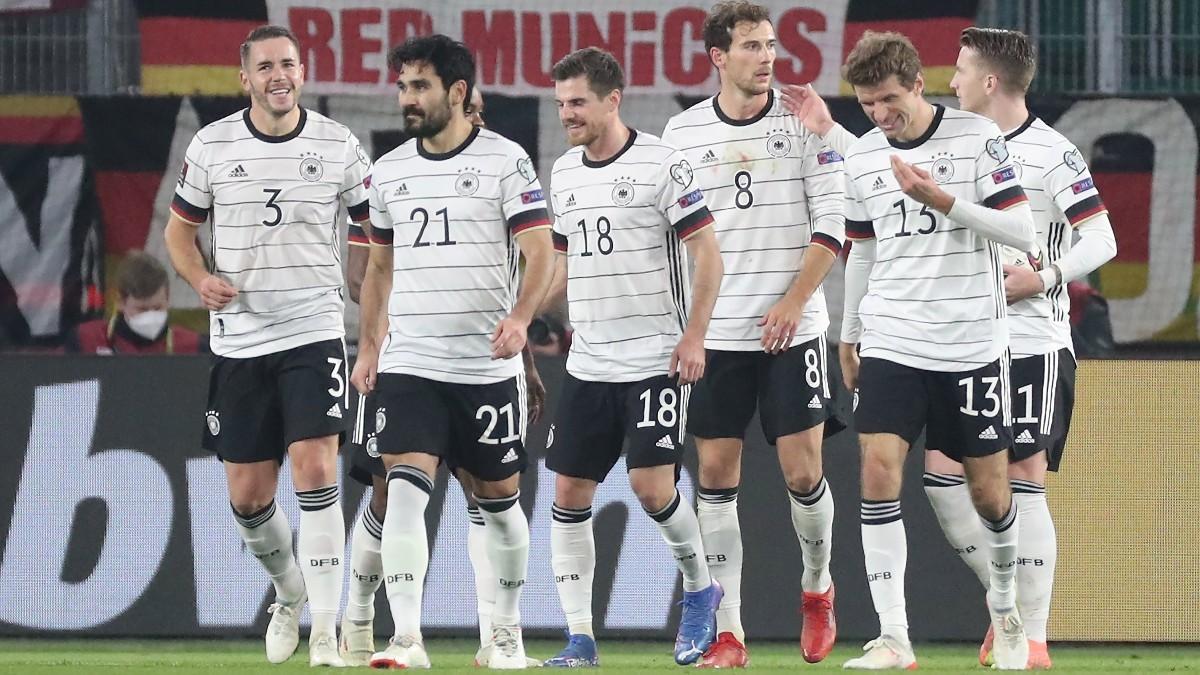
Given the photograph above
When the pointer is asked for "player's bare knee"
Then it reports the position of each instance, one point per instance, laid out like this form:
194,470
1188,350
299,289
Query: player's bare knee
379,497
802,479
1032,469
573,493
250,503
881,477
653,486
496,489
991,500
937,461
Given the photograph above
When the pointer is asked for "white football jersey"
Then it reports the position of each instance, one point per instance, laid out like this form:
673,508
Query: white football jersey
451,220
773,188
935,297
273,203
621,223
1062,196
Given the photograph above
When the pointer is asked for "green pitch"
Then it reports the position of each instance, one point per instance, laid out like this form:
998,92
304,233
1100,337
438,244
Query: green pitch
178,657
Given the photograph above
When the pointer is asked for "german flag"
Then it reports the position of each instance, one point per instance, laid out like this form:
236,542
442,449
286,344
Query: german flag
191,46
932,25
40,120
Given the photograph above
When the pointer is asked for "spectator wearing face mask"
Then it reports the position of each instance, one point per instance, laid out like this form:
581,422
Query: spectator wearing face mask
139,326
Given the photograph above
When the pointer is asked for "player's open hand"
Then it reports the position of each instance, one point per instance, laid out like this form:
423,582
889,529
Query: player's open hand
1021,283
848,359
918,184
779,325
365,375
807,105
215,292
688,360
509,338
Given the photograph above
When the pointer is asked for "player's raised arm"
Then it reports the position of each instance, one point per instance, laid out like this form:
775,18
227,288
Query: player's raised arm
807,105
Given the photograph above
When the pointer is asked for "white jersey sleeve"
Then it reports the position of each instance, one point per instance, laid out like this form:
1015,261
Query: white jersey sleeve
523,201
354,191
193,195
825,186
680,197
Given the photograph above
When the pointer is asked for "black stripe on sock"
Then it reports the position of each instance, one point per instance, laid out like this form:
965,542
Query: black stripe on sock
718,495
1025,487
1004,523
320,498
473,515
931,479
811,498
412,475
373,523
562,515
668,511
255,519
873,512
499,505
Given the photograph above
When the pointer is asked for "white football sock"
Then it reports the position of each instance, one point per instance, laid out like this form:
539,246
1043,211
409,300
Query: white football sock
951,501
722,536
406,546
812,518
573,559
268,536
1001,537
681,531
507,531
485,578
321,547
885,552
1037,548
366,567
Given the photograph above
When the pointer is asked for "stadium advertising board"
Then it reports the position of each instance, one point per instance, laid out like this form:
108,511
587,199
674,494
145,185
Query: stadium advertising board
515,42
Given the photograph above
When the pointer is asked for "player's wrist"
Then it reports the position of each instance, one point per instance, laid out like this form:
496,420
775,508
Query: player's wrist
823,127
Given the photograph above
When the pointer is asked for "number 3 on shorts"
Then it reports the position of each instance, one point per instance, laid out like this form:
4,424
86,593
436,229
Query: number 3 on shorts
339,382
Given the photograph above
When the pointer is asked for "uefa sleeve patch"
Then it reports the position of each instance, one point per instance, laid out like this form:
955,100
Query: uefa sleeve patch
828,157
1083,186
1007,173
532,196
690,198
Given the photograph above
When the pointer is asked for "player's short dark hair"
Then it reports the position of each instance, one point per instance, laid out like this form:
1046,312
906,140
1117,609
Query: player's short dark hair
141,276
267,32
724,17
877,56
1010,53
601,69
450,59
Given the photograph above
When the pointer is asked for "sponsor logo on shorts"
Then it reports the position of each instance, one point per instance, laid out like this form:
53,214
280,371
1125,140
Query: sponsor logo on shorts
666,443
988,434
213,419
1025,437
815,403
509,457
380,419
372,446
334,411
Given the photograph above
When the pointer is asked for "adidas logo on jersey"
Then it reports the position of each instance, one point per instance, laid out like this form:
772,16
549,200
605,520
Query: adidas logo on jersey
1025,437
666,443
878,184
402,190
334,411
510,456
815,403
988,434
238,172
570,201
709,156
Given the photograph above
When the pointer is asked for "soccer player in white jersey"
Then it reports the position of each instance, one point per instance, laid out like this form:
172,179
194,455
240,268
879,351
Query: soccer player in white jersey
271,181
776,192
453,209
623,203
931,193
357,642
992,74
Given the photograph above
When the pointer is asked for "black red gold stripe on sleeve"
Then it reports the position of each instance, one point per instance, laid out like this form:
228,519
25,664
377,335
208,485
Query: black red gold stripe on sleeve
693,222
859,229
560,242
527,220
382,236
825,240
187,211
359,212
356,235
1006,198
1084,209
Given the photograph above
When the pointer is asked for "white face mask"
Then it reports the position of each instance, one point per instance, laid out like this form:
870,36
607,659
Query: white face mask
147,324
